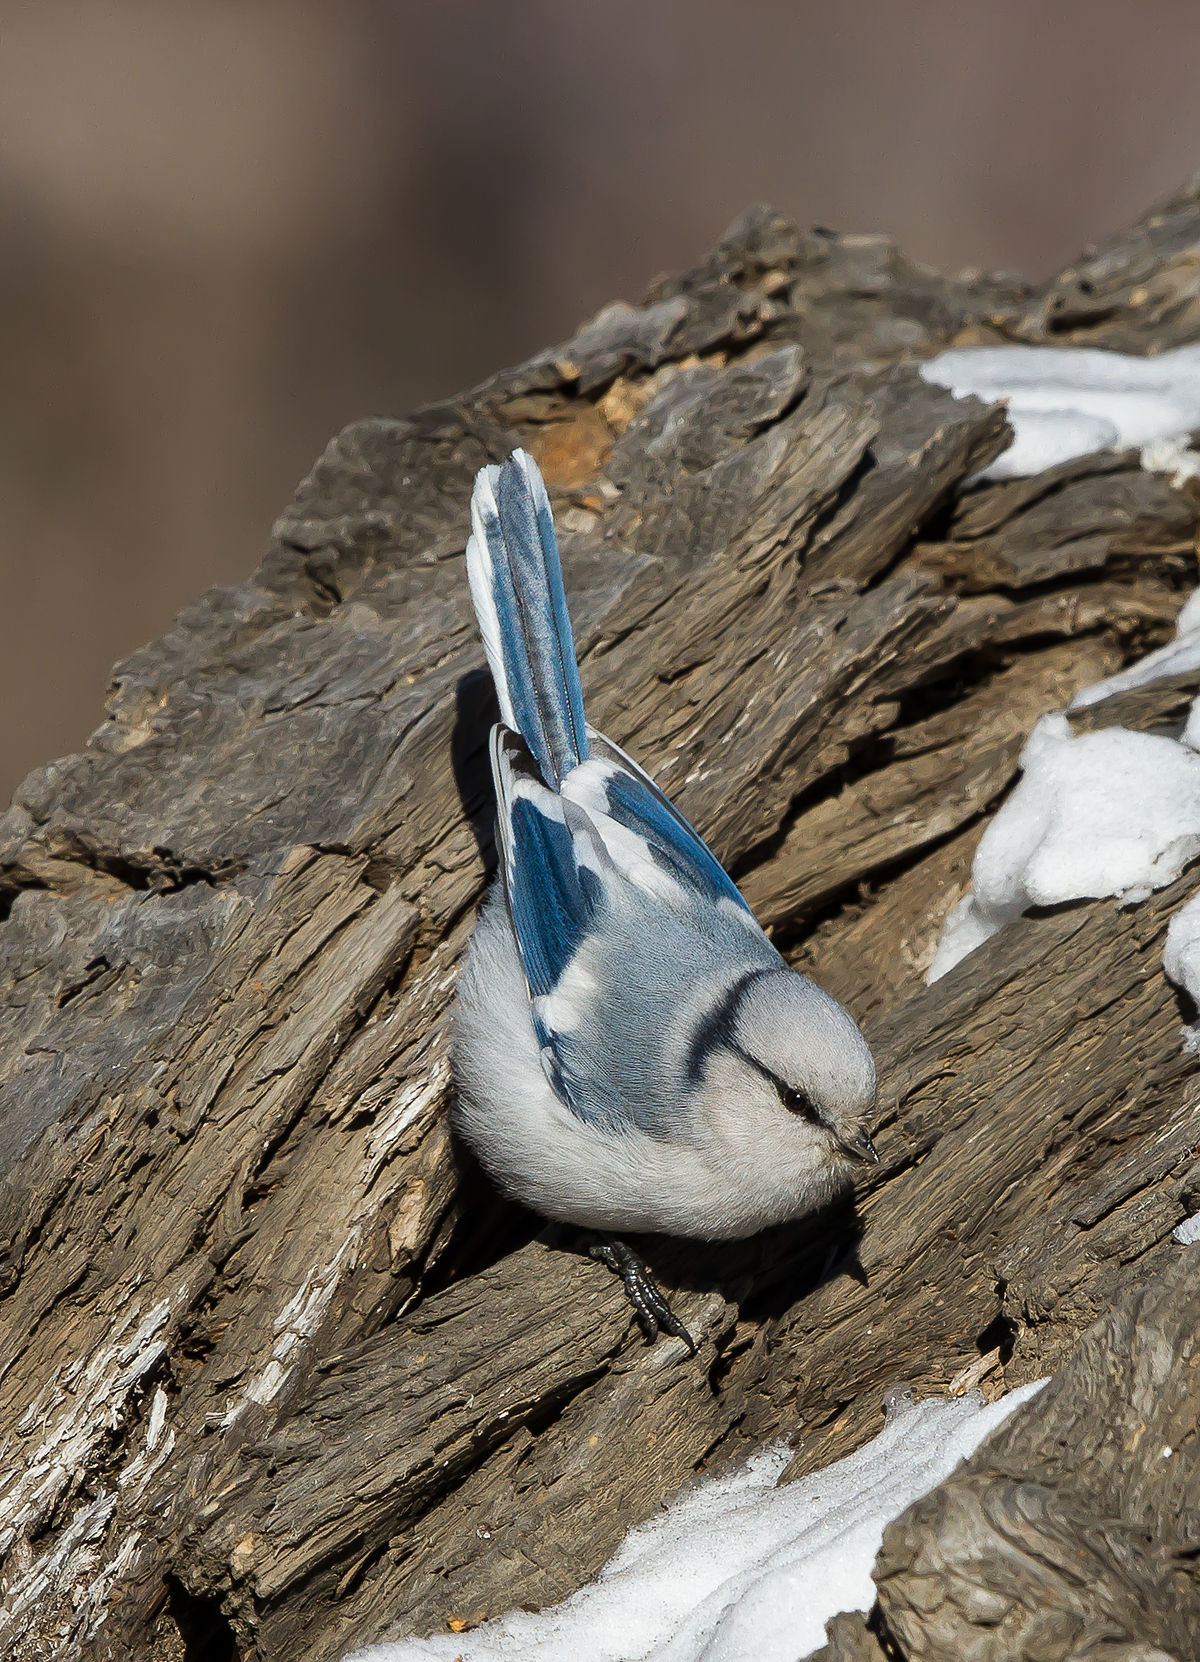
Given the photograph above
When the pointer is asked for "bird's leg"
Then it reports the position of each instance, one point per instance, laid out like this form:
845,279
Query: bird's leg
653,1311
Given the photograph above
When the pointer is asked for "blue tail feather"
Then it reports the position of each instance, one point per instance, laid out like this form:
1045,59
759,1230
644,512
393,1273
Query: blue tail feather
517,587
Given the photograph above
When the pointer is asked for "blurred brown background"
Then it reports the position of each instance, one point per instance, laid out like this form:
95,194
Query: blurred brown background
233,225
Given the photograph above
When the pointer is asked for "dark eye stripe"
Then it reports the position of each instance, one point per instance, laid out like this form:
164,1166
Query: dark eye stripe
716,1028
797,1103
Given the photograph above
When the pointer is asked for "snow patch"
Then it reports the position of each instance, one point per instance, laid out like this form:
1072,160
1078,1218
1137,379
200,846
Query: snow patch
738,1569
1065,402
1180,656
1094,814
1174,457
1112,813
1181,957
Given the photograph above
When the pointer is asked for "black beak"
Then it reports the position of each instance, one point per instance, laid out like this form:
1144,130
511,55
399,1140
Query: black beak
859,1148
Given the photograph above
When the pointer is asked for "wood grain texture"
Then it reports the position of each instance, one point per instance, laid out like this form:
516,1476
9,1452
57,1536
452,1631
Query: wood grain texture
276,1366
1071,1534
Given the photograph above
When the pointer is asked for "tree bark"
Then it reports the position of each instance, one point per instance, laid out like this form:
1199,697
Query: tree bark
1072,1534
279,1372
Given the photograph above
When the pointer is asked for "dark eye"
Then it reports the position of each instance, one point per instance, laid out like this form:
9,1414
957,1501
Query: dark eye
797,1103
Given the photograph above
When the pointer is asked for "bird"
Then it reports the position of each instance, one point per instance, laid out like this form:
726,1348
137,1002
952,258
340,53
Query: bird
631,1053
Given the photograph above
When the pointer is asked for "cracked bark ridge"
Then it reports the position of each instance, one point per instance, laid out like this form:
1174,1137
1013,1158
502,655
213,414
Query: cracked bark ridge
278,1372
1071,1535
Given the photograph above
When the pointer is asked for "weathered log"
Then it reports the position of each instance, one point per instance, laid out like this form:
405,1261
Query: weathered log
1072,1534
276,1373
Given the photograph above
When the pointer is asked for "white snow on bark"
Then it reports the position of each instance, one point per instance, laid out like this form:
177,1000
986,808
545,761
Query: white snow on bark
739,1569
1108,813
1065,402
1113,813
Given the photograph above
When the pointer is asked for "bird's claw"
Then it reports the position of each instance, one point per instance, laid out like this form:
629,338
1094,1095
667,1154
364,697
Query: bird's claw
653,1311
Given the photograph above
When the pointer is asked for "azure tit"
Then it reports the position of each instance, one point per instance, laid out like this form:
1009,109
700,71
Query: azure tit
631,1052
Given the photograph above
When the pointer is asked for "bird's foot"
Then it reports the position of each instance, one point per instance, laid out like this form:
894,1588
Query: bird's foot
653,1311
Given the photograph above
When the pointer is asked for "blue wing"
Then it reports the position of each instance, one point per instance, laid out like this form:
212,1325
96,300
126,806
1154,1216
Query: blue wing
554,868
612,785
564,856
551,865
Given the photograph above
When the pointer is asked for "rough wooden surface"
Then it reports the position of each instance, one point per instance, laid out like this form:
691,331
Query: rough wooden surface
1073,1533
276,1375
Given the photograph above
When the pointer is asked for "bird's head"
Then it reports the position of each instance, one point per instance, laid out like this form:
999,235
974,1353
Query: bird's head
787,1050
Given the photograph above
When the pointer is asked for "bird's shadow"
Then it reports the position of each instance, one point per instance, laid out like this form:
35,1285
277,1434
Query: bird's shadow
763,1276
475,714
768,1274
484,1227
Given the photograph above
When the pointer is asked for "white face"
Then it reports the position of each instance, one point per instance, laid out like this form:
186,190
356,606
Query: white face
795,1059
